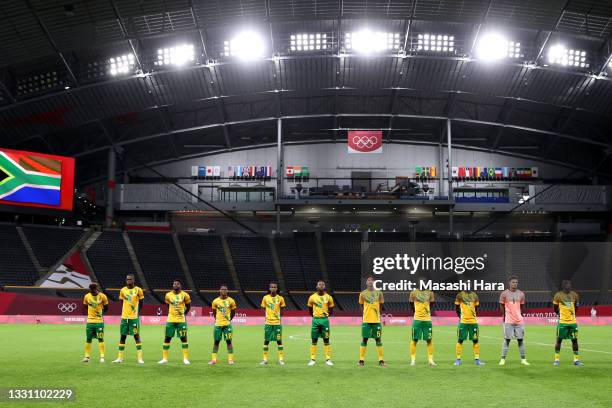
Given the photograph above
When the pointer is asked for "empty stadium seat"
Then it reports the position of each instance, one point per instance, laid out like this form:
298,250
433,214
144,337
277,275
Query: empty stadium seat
15,263
299,261
110,259
158,259
253,262
343,259
51,243
206,260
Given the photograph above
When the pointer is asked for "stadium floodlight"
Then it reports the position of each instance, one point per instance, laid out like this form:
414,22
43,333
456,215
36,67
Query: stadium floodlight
367,41
308,42
178,55
561,55
247,45
436,43
123,64
494,47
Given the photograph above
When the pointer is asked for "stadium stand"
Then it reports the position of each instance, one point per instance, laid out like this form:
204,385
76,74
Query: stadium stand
253,262
206,261
110,259
158,258
51,243
342,256
299,261
17,267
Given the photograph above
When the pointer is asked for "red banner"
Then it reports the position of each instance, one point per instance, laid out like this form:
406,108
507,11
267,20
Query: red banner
365,141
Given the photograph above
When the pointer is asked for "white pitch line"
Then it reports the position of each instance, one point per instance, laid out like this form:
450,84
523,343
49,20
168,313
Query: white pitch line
542,344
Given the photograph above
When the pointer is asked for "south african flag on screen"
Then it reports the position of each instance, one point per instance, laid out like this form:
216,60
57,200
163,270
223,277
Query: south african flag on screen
30,178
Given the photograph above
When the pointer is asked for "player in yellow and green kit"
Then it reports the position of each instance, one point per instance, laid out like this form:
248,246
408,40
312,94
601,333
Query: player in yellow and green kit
95,304
179,303
466,305
371,327
320,307
273,330
132,297
565,304
224,308
421,301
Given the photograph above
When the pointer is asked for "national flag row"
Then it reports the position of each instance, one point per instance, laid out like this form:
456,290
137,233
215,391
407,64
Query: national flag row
232,171
205,171
426,172
249,171
490,173
297,172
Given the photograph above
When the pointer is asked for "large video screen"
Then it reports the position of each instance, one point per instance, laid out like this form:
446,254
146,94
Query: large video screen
35,181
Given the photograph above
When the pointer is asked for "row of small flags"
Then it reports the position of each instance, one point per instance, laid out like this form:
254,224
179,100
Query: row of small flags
297,172
205,171
426,172
495,172
232,171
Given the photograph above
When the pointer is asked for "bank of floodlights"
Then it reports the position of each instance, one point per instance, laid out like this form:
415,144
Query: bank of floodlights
494,47
121,65
561,55
179,55
247,45
367,41
308,42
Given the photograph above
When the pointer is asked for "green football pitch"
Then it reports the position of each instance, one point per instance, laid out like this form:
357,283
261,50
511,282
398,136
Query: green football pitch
46,356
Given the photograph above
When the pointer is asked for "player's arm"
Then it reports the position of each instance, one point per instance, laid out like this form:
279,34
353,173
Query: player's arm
310,304
458,310
85,306
232,314
381,301
140,301
330,310
187,307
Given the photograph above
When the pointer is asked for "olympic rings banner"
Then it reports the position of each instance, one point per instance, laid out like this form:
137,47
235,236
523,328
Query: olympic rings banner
365,141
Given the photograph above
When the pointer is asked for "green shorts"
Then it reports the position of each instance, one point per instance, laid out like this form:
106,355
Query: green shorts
273,332
129,327
421,330
567,331
320,328
178,329
223,332
94,331
371,330
467,331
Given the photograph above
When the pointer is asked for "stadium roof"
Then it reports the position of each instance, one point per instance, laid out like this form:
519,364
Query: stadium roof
56,93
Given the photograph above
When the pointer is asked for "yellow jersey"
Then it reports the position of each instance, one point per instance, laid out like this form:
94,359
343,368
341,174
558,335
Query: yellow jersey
567,306
422,300
177,303
223,310
320,304
95,307
371,301
467,302
273,305
130,298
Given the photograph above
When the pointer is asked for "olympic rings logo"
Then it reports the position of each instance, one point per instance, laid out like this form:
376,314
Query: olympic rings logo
365,142
66,307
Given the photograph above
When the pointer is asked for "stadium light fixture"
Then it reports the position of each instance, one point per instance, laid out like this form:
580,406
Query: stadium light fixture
561,55
436,42
308,42
494,47
367,41
123,64
247,45
178,55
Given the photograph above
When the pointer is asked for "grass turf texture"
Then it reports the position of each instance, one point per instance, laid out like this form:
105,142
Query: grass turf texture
49,355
